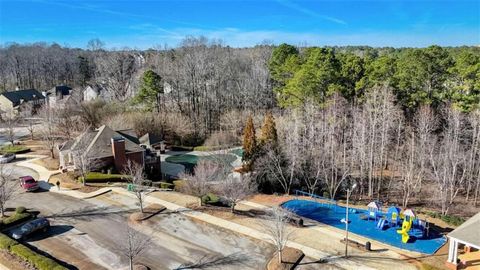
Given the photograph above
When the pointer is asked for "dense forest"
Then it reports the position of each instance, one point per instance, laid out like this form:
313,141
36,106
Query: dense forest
402,122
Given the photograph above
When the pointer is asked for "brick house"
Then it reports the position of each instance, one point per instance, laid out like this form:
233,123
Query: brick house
107,149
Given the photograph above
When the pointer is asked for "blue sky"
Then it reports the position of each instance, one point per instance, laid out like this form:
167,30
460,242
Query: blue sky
147,23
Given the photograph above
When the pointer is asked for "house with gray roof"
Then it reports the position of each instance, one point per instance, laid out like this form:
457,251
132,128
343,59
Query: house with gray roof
105,148
12,101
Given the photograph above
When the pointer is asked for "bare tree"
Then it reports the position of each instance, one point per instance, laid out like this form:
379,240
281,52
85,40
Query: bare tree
48,129
410,168
448,160
11,121
235,189
133,244
274,167
136,176
278,230
7,187
206,173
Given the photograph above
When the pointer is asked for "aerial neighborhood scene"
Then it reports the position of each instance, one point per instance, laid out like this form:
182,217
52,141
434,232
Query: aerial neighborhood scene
272,134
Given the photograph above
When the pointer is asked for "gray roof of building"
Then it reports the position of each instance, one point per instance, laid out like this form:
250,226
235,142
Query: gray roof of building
150,139
60,89
26,95
469,231
98,143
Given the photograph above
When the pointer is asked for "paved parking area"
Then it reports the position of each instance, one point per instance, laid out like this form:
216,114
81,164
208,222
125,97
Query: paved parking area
86,234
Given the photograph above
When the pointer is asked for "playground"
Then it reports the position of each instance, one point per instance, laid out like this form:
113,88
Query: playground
389,225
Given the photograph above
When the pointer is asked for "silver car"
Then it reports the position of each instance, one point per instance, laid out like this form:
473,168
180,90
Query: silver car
5,158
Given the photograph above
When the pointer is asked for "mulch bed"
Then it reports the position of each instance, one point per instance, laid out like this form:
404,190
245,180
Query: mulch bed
148,212
291,257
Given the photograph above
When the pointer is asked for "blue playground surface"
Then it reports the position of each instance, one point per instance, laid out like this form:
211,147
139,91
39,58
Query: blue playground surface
331,214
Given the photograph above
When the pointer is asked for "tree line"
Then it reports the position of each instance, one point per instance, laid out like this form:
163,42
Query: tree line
203,80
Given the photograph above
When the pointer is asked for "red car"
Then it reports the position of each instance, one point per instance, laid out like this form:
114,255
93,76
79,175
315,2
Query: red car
28,183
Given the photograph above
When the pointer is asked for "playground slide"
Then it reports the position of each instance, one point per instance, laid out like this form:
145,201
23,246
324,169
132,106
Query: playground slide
381,224
406,226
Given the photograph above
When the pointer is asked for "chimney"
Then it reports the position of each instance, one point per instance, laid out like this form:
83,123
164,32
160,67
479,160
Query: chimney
119,155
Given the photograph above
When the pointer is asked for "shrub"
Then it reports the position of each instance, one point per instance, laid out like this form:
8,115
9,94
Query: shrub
166,185
181,148
451,220
40,262
20,210
16,218
6,242
210,198
103,177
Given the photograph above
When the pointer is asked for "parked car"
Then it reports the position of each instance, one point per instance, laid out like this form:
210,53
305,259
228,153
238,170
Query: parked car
28,183
41,224
5,158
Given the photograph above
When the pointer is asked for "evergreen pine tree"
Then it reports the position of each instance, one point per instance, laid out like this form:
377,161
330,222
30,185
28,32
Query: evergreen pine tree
268,135
150,88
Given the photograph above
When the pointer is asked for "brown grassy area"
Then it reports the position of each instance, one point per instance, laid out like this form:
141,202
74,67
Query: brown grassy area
12,262
67,180
49,163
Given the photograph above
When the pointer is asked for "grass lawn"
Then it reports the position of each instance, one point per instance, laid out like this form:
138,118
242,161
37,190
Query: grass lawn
14,149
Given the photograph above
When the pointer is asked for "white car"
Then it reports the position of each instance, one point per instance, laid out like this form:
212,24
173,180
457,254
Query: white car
6,158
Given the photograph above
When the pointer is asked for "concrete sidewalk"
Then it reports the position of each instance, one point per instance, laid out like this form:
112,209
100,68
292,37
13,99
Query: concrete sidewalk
43,173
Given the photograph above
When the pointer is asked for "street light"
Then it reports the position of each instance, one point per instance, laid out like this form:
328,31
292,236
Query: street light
349,192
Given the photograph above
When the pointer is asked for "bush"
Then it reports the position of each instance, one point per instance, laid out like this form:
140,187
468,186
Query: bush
164,185
103,177
210,198
14,149
40,262
182,148
451,220
20,210
6,242
15,218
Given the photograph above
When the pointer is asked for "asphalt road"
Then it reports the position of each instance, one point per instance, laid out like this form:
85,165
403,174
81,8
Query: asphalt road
87,234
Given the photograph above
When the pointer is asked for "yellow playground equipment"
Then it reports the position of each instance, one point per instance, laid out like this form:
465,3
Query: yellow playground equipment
406,226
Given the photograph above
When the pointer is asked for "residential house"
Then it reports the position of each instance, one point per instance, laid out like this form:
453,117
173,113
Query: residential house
94,92
58,95
153,142
12,101
106,148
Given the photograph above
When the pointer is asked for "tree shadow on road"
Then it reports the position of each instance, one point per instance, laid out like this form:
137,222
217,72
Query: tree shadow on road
209,261
52,231
89,213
